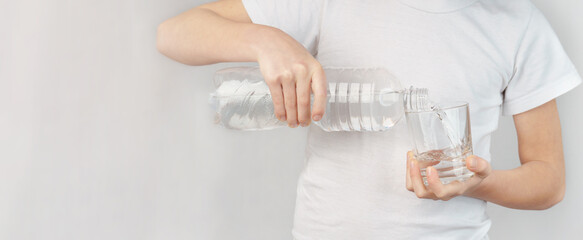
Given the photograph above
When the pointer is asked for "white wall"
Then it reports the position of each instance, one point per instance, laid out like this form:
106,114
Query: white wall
101,137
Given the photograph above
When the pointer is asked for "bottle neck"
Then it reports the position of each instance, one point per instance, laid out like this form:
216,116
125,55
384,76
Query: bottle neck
416,99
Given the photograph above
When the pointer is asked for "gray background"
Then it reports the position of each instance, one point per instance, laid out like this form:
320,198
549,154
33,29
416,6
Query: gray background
101,137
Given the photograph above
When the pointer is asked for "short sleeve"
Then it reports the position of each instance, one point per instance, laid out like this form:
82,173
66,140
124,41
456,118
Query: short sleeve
542,70
298,18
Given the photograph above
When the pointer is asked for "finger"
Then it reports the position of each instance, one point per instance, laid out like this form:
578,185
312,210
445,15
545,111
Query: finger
303,96
289,97
453,189
435,186
320,90
417,181
277,98
408,183
479,166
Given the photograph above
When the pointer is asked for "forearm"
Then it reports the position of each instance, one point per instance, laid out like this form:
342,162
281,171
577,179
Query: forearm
201,36
534,185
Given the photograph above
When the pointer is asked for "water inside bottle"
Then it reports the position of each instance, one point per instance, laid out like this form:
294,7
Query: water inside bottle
359,107
244,105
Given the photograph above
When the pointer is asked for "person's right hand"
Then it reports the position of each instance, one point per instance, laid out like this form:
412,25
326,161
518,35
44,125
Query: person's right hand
291,73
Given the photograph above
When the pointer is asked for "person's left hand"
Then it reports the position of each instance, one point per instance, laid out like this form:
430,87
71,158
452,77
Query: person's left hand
438,191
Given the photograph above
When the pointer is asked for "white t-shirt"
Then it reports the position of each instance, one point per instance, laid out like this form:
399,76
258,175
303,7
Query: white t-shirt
500,56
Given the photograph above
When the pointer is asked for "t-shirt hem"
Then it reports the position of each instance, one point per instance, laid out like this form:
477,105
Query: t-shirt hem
486,237
538,98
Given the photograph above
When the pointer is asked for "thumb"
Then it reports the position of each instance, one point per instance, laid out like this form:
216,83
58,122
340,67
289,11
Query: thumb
479,166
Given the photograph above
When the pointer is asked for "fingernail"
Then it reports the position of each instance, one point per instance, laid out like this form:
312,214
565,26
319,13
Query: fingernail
412,164
303,124
317,118
293,125
429,171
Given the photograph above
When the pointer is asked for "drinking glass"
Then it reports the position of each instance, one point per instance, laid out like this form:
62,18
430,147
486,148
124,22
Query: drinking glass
442,139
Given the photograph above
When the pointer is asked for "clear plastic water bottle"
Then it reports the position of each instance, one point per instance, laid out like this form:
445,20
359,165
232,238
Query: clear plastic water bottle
359,99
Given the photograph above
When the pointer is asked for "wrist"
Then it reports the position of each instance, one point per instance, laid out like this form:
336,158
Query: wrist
480,190
255,39
265,41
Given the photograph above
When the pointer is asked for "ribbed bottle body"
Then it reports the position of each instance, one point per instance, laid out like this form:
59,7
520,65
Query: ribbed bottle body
359,99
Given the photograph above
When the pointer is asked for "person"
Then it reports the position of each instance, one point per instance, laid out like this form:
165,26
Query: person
500,56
